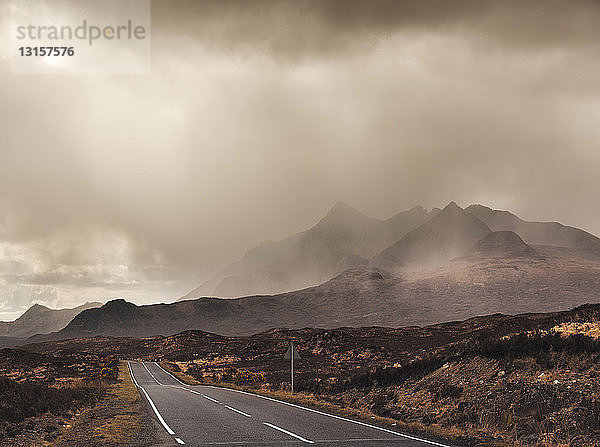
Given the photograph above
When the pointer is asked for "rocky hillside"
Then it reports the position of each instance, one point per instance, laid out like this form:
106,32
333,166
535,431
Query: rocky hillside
503,244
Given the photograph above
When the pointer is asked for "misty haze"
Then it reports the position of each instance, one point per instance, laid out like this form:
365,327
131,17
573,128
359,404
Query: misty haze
400,195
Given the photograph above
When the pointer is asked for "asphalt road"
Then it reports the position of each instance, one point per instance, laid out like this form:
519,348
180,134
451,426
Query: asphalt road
205,415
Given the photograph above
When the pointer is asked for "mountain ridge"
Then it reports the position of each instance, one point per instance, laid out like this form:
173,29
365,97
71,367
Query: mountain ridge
536,233
463,288
39,319
448,234
344,238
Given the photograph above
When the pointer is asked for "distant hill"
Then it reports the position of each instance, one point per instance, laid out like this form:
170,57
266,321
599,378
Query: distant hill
40,319
6,342
343,239
268,346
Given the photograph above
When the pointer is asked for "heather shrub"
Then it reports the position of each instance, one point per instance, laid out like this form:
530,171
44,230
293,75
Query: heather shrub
21,400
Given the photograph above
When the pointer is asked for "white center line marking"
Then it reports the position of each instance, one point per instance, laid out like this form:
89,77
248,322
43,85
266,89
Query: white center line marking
170,374
152,375
185,389
237,411
158,415
210,398
364,424
308,441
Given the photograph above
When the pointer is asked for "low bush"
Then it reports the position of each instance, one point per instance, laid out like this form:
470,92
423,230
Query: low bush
242,377
21,400
378,377
108,369
539,346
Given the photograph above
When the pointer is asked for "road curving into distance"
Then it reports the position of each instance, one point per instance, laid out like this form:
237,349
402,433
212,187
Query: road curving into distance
205,415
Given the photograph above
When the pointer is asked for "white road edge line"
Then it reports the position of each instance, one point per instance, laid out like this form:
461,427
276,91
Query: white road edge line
160,418
158,415
238,411
364,424
131,375
179,441
308,441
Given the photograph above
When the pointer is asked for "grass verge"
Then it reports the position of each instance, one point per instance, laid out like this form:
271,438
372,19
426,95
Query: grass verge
118,419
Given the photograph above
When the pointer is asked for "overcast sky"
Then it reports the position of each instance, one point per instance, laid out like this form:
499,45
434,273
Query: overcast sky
259,115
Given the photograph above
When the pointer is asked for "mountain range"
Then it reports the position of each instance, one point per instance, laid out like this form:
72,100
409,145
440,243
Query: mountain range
39,319
416,239
343,239
445,265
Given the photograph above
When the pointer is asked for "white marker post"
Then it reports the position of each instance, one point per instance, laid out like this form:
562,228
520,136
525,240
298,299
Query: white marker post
292,354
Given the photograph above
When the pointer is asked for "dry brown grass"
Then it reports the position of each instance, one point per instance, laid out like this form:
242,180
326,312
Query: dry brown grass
118,429
122,426
117,420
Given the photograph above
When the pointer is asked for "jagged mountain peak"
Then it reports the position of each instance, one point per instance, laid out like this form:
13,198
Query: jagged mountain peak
482,211
453,217
450,233
342,213
452,207
344,238
477,206
415,212
341,206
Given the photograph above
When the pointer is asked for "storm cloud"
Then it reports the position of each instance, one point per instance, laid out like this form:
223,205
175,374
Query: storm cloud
259,115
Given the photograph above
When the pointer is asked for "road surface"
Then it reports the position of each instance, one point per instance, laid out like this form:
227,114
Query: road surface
205,415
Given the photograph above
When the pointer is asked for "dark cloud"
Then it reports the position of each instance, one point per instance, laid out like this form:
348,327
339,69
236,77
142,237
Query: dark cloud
296,28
